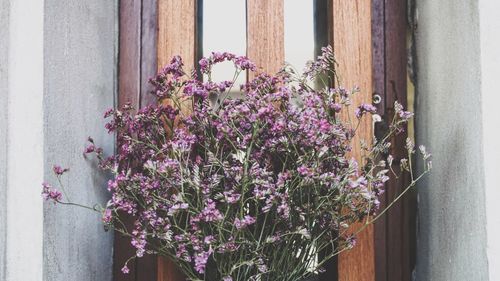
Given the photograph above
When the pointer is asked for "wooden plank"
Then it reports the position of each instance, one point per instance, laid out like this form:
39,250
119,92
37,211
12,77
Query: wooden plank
177,31
130,48
146,267
177,35
149,42
265,34
128,91
378,52
353,47
396,89
323,24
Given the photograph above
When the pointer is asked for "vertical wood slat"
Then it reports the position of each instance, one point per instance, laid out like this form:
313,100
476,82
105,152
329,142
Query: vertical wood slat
265,34
396,89
137,61
393,233
149,42
378,41
146,267
177,35
352,44
323,24
128,91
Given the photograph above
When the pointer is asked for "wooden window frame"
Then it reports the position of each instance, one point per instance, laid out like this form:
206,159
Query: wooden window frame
368,37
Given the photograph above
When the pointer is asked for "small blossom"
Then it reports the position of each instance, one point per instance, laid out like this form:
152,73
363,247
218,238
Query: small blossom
58,170
244,222
305,171
200,261
125,269
107,216
364,108
50,193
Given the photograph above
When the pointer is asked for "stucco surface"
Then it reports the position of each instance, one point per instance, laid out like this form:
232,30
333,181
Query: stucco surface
4,42
79,85
451,216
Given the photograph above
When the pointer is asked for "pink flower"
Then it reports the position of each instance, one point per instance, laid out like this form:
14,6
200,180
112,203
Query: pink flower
364,108
107,216
50,193
58,170
244,222
125,269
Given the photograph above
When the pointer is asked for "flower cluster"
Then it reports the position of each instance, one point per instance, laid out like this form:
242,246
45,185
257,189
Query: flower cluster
261,187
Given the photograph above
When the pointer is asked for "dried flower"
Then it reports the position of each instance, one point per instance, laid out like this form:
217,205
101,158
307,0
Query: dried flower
50,193
221,188
58,170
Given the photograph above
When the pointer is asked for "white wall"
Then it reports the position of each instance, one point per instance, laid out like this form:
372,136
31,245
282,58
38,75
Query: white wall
25,163
489,19
4,61
57,76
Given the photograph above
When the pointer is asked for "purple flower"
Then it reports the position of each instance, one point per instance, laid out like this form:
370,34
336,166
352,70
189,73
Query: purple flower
210,213
176,207
244,63
351,241
58,170
107,216
139,241
200,261
405,115
89,149
50,193
244,222
305,171
125,269
364,108
231,197
198,171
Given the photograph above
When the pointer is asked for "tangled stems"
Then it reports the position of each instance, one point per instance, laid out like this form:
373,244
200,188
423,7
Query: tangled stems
254,188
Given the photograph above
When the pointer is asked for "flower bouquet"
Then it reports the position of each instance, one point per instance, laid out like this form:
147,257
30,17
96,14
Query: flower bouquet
262,187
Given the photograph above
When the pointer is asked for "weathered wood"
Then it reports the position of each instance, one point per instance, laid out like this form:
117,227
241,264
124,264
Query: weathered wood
146,267
352,44
149,42
378,52
265,34
177,31
396,89
130,47
129,84
177,35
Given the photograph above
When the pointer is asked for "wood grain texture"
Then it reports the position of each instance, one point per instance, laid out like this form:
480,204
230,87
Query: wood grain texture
352,44
149,43
129,90
177,31
398,236
177,35
265,34
130,47
378,52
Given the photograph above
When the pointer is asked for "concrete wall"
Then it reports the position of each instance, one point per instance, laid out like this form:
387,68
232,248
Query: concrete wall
58,75
4,60
452,215
79,85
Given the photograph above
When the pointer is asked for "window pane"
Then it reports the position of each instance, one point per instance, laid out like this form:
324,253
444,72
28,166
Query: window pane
224,30
299,32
